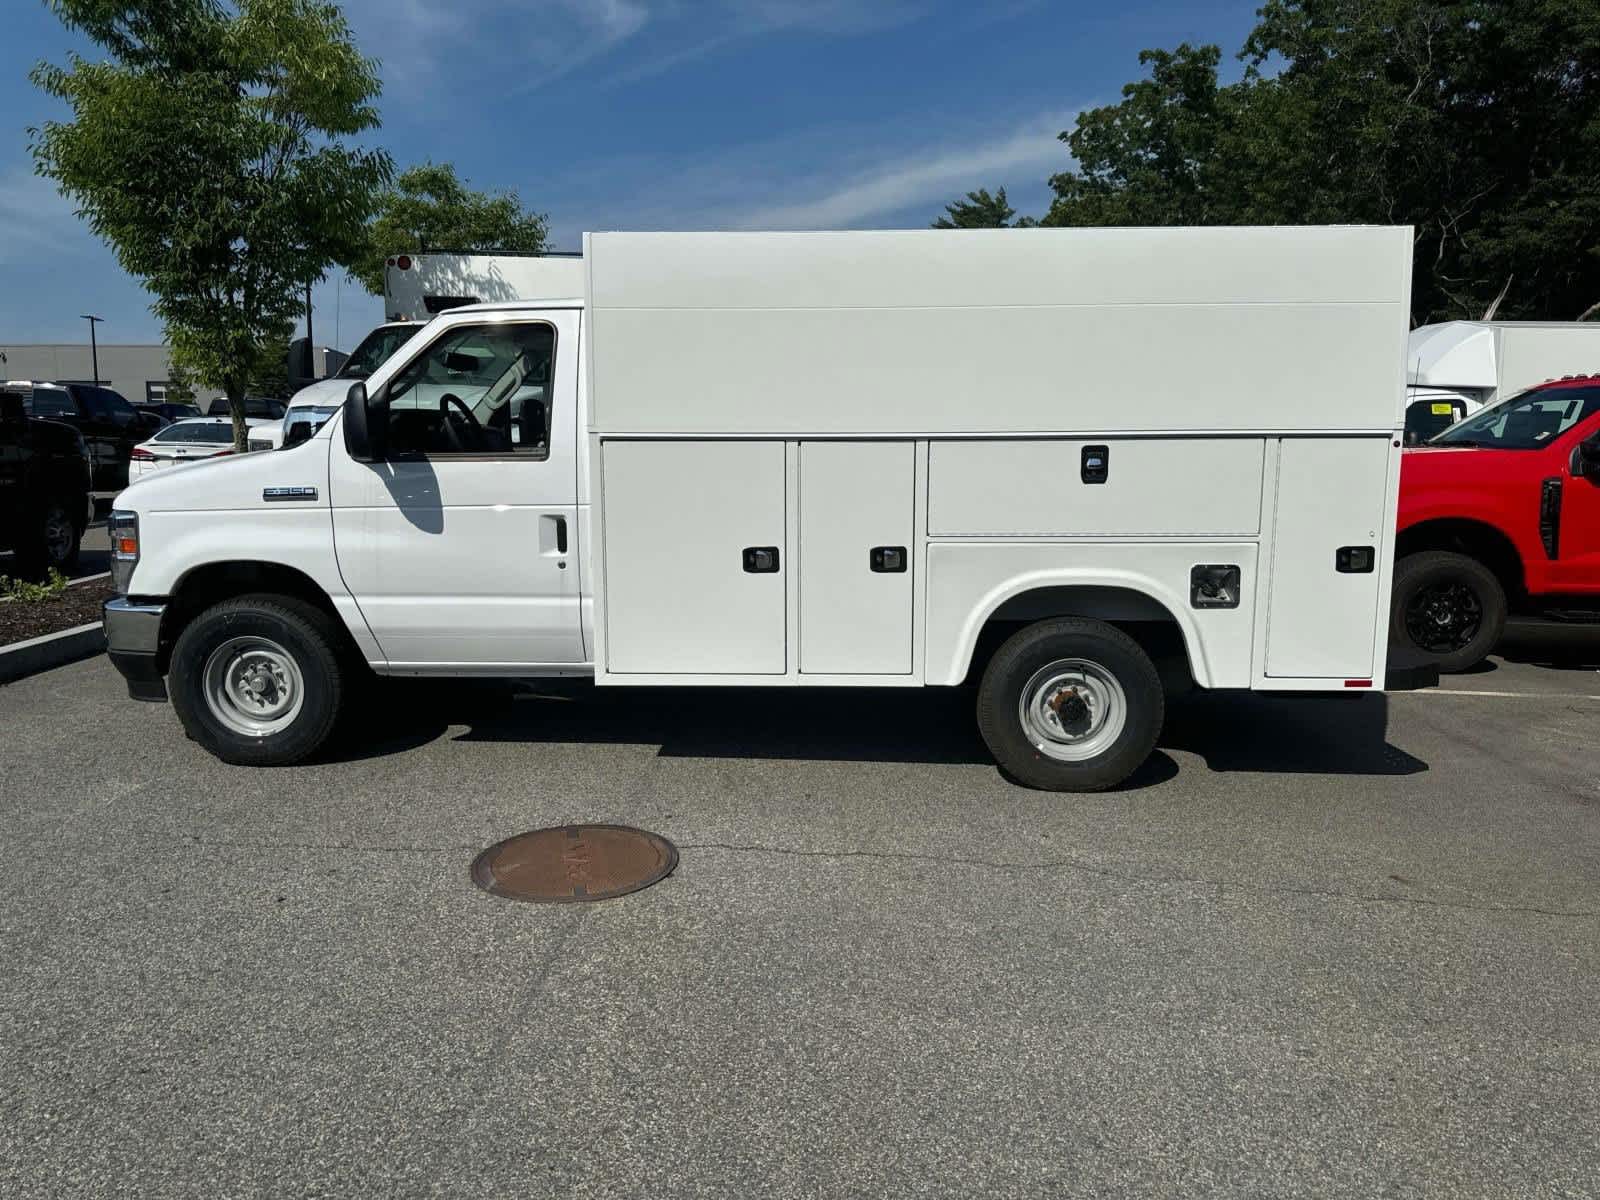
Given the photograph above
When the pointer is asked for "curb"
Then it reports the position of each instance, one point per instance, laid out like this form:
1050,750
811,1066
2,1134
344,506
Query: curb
22,659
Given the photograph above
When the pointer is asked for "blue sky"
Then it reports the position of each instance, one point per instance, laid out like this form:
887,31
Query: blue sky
654,114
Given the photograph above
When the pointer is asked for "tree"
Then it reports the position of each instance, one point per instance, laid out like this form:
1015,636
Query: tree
979,210
1477,123
429,208
212,150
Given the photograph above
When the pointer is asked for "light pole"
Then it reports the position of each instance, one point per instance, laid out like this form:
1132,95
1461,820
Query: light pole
94,348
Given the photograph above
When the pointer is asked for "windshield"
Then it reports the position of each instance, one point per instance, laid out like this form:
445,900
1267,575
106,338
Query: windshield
375,350
1525,422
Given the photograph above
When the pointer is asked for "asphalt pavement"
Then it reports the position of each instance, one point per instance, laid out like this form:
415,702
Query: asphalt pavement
1332,946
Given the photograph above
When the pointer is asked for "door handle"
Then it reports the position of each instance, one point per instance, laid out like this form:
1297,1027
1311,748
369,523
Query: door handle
561,535
760,560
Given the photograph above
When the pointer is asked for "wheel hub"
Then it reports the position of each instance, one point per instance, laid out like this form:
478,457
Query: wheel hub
1072,710
253,686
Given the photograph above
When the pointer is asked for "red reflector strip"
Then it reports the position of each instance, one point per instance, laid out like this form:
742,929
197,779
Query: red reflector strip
1358,683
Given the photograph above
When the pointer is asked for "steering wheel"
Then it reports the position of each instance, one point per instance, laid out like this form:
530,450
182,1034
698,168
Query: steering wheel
449,428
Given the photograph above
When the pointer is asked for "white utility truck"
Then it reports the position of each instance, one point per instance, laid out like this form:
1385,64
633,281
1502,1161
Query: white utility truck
1043,457
1455,368
419,286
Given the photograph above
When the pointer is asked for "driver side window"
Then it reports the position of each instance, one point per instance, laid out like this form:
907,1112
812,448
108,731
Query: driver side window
477,390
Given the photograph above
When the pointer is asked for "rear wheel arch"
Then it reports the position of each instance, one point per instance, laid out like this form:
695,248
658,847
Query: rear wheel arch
1171,642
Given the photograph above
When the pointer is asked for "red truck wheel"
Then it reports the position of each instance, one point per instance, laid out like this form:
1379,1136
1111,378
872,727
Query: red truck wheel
1449,607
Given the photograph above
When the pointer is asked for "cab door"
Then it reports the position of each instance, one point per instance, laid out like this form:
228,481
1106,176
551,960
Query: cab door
461,547
1576,569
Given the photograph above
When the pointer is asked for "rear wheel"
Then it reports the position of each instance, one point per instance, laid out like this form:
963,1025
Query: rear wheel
1447,606
258,681
1070,705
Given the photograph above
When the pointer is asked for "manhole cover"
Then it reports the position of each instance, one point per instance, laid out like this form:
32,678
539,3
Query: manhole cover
574,862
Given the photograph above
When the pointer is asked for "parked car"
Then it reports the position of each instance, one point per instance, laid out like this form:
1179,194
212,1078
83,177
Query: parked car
1500,514
168,411
261,407
191,441
45,501
111,427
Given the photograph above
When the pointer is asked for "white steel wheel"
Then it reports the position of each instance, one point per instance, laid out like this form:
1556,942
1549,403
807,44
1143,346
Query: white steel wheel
1070,704
1072,709
253,686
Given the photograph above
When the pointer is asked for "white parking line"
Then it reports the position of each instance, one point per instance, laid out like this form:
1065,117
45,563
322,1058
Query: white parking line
1503,695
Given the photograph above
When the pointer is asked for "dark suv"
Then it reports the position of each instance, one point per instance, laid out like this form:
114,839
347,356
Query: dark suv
111,427
44,488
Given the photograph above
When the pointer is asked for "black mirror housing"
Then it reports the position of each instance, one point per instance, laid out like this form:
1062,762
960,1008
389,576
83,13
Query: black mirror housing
13,412
1585,462
363,435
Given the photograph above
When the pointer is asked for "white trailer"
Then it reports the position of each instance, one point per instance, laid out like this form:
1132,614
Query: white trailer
824,459
417,287
1455,368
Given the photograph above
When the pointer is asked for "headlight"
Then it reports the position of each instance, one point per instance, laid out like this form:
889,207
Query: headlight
123,528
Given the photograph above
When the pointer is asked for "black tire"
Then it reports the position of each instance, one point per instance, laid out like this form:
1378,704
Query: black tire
53,541
302,632
1447,607
1024,657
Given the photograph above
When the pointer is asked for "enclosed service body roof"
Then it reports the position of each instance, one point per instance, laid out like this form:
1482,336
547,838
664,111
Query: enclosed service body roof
1510,356
945,332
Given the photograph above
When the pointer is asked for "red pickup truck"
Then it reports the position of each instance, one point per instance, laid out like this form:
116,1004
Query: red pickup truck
1500,514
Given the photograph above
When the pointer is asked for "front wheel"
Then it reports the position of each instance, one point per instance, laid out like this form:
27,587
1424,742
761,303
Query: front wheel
1449,607
52,544
1070,705
258,681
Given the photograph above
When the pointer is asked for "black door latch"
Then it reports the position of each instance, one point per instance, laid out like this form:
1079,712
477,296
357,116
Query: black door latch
1096,464
888,560
761,560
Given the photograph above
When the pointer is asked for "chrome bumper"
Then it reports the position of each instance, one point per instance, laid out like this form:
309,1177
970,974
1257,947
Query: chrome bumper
133,644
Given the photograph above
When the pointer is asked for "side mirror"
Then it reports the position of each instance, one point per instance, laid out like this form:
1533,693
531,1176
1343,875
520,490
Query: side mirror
365,430
1585,463
13,413
300,364
298,431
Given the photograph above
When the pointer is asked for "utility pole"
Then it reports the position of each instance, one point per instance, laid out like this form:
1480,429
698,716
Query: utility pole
311,342
94,348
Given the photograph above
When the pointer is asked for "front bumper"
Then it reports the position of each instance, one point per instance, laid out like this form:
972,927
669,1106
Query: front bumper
133,644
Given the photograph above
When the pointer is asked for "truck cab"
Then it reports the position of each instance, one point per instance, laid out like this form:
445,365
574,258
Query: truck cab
1500,514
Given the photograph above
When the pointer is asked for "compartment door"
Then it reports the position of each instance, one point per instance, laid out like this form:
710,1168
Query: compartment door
678,518
1322,622
857,506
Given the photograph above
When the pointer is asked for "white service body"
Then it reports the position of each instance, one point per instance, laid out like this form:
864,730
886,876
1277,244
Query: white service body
829,395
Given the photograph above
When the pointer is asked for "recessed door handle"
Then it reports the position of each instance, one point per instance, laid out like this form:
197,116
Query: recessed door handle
888,560
760,560
561,535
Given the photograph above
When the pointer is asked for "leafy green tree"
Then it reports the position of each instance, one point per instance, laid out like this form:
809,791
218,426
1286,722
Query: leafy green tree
1475,121
429,208
212,148
979,210
180,384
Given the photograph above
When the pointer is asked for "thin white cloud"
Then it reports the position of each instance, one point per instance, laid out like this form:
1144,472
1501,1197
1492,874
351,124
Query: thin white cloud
928,178
517,46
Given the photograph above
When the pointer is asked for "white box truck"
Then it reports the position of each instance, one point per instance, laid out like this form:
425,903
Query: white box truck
1455,368
1038,458
417,287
